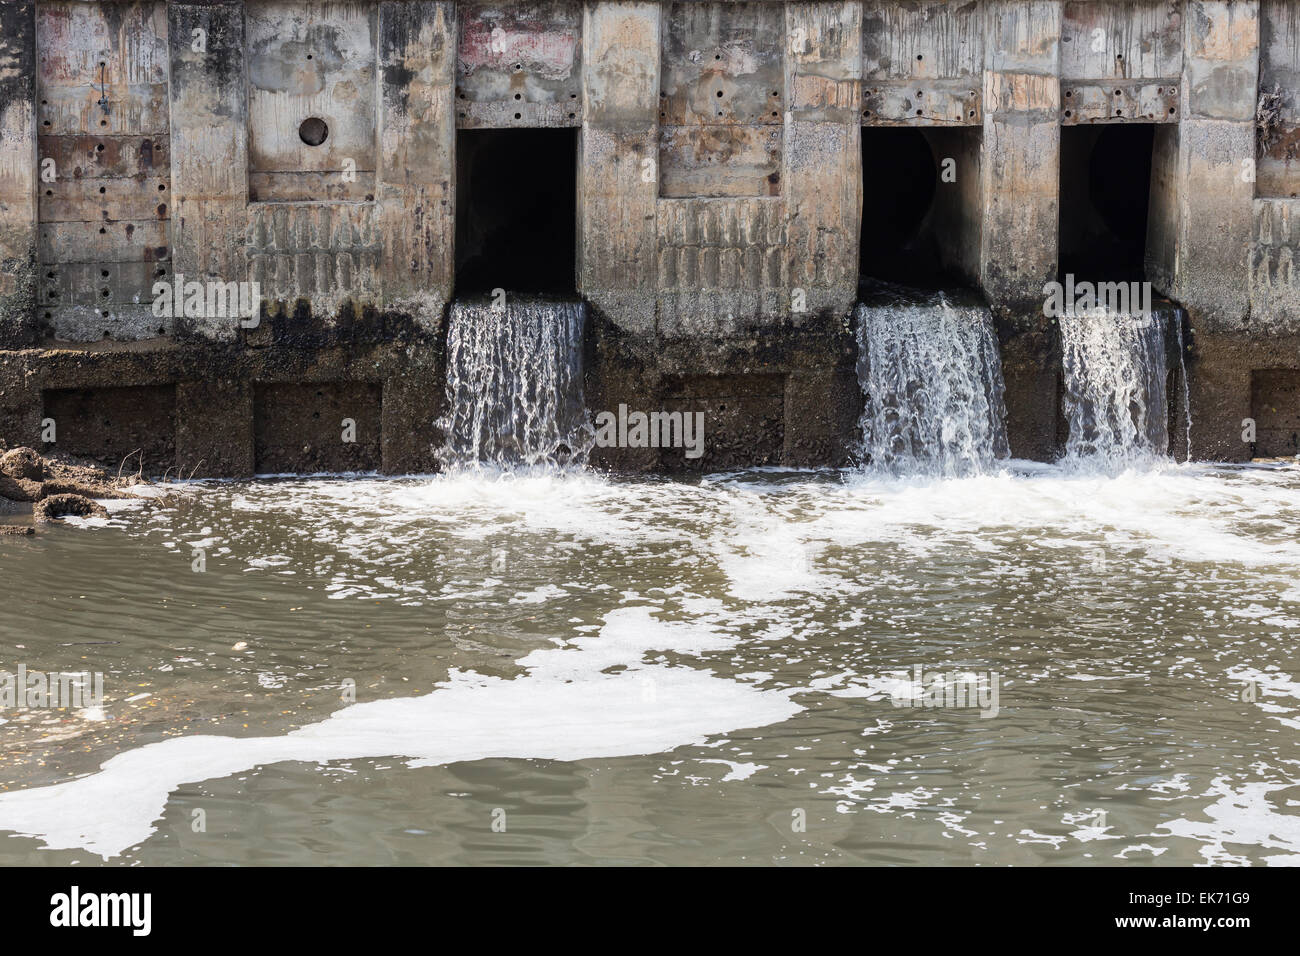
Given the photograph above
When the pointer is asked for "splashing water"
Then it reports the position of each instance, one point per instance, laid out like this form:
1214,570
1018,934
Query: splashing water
931,376
514,384
1115,399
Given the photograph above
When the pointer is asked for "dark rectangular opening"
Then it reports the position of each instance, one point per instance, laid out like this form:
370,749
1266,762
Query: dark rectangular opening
1105,198
516,209
920,206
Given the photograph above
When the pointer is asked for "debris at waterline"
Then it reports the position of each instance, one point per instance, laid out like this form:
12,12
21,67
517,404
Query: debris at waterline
54,487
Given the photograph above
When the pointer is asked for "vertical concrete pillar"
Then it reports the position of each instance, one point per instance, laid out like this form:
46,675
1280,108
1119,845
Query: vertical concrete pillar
18,174
1216,144
416,200
618,184
1021,153
209,149
823,154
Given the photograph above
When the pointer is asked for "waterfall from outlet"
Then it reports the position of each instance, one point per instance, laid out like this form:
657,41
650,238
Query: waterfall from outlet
1116,379
514,384
931,377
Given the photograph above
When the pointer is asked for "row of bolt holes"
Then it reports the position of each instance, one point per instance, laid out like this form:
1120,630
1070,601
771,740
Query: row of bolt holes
158,274
1159,90
102,122
519,68
719,94
919,94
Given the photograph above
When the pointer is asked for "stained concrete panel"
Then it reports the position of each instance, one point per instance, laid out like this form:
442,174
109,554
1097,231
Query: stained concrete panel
105,204
519,64
721,100
312,108
1279,79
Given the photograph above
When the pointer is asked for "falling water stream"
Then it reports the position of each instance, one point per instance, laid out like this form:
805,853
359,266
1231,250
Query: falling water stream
514,383
1115,398
931,380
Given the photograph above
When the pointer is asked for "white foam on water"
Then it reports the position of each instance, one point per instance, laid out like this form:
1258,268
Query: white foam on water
1245,817
567,707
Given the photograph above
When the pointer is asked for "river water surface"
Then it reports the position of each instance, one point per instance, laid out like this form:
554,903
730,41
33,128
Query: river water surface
564,668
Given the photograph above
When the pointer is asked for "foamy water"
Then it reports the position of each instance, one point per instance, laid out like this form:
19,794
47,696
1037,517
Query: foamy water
727,651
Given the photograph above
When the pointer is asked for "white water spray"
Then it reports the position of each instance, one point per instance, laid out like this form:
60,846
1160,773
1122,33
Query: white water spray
514,384
931,376
1115,400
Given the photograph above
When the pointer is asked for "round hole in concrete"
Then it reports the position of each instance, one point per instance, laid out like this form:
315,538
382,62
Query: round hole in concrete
518,116
719,92
102,190
99,148
519,96
102,231
313,131
309,56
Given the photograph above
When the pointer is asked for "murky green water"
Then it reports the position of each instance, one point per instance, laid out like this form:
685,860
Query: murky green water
569,669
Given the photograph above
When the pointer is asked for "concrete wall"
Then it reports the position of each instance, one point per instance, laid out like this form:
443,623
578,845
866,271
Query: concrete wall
720,189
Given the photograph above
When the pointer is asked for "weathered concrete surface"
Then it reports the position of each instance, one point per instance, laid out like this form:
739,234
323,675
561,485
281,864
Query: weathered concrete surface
105,197
1022,95
720,190
1279,79
18,174
519,65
